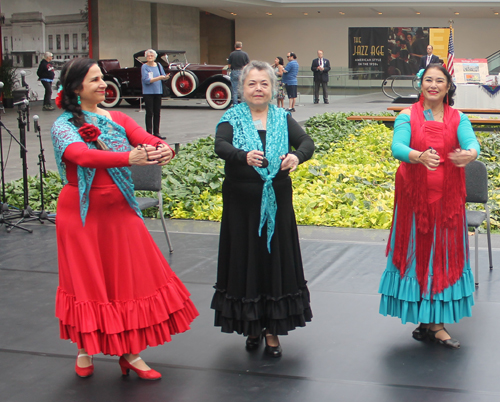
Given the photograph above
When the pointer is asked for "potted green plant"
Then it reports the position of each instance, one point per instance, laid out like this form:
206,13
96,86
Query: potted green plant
8,77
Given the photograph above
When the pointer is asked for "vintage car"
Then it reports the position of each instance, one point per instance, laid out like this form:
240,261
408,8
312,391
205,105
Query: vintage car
187,80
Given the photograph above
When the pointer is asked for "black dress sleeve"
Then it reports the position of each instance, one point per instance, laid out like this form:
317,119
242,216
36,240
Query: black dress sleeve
297,137
224,145
303,143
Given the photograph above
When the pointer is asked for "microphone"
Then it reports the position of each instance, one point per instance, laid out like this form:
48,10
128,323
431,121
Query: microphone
26,102
23,81
37,127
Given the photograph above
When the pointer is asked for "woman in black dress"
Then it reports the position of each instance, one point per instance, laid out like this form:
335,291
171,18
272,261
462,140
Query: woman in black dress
260,289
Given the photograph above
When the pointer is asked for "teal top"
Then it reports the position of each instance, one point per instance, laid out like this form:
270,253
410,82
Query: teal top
402,135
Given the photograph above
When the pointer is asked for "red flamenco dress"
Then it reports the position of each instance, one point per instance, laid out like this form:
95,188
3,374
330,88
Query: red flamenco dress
117,294
428,277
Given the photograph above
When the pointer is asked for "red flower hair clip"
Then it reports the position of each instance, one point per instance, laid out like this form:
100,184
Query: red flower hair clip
89,132
59,99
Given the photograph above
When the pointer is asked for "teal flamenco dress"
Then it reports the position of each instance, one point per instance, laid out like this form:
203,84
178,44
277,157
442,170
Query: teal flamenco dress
428,277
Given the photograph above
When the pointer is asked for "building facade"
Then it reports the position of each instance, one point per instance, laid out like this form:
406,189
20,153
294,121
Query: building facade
27,36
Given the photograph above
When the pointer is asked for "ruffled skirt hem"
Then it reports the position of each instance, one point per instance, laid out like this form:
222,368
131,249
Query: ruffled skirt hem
402,298
120,327
251,316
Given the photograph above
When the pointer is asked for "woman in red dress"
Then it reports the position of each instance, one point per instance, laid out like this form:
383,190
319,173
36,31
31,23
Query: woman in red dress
117,294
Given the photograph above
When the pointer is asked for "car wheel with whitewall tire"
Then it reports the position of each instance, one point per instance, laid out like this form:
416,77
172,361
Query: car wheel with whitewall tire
183,83
218,95
113,95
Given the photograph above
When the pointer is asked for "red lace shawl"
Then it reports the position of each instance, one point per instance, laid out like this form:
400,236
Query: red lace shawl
438,226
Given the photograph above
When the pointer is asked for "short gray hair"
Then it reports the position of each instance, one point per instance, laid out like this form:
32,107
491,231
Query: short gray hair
150,51
47,54
260,66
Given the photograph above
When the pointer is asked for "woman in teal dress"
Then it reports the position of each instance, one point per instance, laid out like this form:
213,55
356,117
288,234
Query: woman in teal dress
428,279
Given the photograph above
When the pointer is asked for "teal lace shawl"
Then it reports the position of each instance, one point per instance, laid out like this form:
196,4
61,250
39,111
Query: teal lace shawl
246,137
113,135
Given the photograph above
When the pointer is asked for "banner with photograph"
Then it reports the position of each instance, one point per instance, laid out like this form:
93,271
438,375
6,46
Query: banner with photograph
387,51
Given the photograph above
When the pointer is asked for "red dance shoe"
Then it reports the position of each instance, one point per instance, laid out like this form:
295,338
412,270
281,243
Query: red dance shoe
126,366
84,372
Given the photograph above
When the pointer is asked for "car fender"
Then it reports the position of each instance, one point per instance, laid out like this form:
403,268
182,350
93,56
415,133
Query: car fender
219,77
114,79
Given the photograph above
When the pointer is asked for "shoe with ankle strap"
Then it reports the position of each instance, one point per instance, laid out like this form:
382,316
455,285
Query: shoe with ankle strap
420,333
126,366
449,343
253,343
84,372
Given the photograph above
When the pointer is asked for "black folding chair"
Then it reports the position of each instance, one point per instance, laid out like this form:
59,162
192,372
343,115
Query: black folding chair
148,178
476,182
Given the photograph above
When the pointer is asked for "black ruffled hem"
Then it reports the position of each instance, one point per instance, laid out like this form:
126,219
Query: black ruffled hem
251,316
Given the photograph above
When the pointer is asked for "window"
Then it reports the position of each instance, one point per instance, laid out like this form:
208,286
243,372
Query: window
75,41
66,41
58,42
84,41
51,42
5,43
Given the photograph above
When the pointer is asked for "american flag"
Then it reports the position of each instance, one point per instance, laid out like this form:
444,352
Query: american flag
451,55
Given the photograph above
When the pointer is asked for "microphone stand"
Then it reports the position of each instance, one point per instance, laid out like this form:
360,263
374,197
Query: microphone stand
24,84
42,215
27,214
5,207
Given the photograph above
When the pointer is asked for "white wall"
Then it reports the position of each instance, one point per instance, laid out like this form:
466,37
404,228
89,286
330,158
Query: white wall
179,29
264,39
123,33
124,28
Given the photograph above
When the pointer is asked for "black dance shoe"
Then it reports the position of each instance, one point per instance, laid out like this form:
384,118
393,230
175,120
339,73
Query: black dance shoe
273,351
449,343
254,343
420,333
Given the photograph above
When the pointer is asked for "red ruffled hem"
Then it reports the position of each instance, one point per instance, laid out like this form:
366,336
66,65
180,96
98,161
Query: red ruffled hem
130,326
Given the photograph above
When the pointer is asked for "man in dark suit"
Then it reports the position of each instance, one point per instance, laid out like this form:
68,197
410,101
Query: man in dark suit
320,68
430,58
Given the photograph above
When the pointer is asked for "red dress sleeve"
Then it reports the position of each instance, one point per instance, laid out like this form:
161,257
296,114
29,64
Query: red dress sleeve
79,153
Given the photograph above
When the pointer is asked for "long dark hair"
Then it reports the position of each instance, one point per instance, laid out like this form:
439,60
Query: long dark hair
448,98
280,60
72,75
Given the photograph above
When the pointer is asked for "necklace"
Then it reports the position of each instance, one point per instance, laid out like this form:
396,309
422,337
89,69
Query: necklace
436,114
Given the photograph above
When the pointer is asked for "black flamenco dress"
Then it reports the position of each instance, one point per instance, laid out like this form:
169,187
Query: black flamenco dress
256,289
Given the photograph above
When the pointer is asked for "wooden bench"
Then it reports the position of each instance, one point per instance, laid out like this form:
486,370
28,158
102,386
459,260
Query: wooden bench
389,121
463,110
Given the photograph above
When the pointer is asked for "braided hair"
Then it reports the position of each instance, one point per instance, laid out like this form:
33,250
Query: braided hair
72,76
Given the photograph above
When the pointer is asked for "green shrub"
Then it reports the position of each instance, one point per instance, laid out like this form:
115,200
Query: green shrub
348,183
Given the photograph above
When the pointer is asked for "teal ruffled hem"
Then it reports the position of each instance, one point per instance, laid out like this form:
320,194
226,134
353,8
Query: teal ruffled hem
401,297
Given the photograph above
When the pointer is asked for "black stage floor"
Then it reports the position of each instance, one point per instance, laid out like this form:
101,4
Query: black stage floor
348,353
